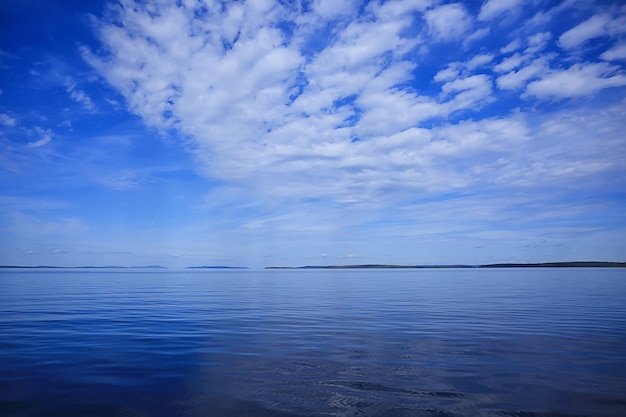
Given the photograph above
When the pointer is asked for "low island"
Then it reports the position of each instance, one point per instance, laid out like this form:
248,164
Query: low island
217,267
578,264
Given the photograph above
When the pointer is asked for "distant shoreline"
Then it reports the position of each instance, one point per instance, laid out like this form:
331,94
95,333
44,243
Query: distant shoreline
216,267
83,267
577,264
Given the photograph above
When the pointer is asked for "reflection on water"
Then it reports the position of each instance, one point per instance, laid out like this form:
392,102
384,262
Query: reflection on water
514,342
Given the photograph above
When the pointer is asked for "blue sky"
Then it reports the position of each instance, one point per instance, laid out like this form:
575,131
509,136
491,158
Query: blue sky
264,132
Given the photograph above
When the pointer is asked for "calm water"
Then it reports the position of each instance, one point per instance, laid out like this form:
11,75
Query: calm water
510,342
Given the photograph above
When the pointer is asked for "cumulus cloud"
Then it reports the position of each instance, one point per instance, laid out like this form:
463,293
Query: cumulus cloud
492,9
531,63
510,63
449,22
577,81
537,42
596,26
258,106
618,52
451,72
323,127
534,45
331,9
518,79
479,61
7,120
285,103
511,46
589,29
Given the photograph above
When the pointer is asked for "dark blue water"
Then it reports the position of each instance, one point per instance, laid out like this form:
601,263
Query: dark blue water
506,342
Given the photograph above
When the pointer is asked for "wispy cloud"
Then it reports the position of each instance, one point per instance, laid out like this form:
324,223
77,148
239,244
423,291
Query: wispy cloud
78,95
448,22
596,26
576,81
492,9
7,120
46,137
618,52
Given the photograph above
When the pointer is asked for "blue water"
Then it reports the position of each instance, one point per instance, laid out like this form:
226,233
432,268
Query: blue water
467,342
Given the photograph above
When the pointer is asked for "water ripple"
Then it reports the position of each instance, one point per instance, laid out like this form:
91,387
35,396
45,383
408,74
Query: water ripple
313,343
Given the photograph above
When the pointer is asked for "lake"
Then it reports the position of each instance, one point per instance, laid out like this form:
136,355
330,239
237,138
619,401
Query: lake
431,342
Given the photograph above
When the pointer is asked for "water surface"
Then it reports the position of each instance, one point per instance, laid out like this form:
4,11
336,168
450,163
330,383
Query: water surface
467,342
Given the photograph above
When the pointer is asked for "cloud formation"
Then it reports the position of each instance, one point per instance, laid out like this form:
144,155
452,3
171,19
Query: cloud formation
448,22
596,26
492,9
578,80
7,120
305,123
264,101
46,137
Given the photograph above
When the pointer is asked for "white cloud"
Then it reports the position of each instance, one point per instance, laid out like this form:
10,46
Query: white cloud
479,61
265,109
334,128
462,84
7,120
330,9
510,63
577,81
537,42
518,79
448,22
495,8
458,70
618,52
546,16
476,35
339,121
77,95
514,45
594,27
566,155
46,137
488,135
39,143
449,73
394,8
516,70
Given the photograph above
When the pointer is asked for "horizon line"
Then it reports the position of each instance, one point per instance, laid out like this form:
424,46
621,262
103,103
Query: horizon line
563,264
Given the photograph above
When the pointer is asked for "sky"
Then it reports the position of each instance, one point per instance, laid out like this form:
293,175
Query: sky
320,132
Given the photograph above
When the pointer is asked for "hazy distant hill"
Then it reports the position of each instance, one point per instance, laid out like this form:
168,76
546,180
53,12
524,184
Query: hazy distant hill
217,267
560,265
503,265
368,266
85,267
148,267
